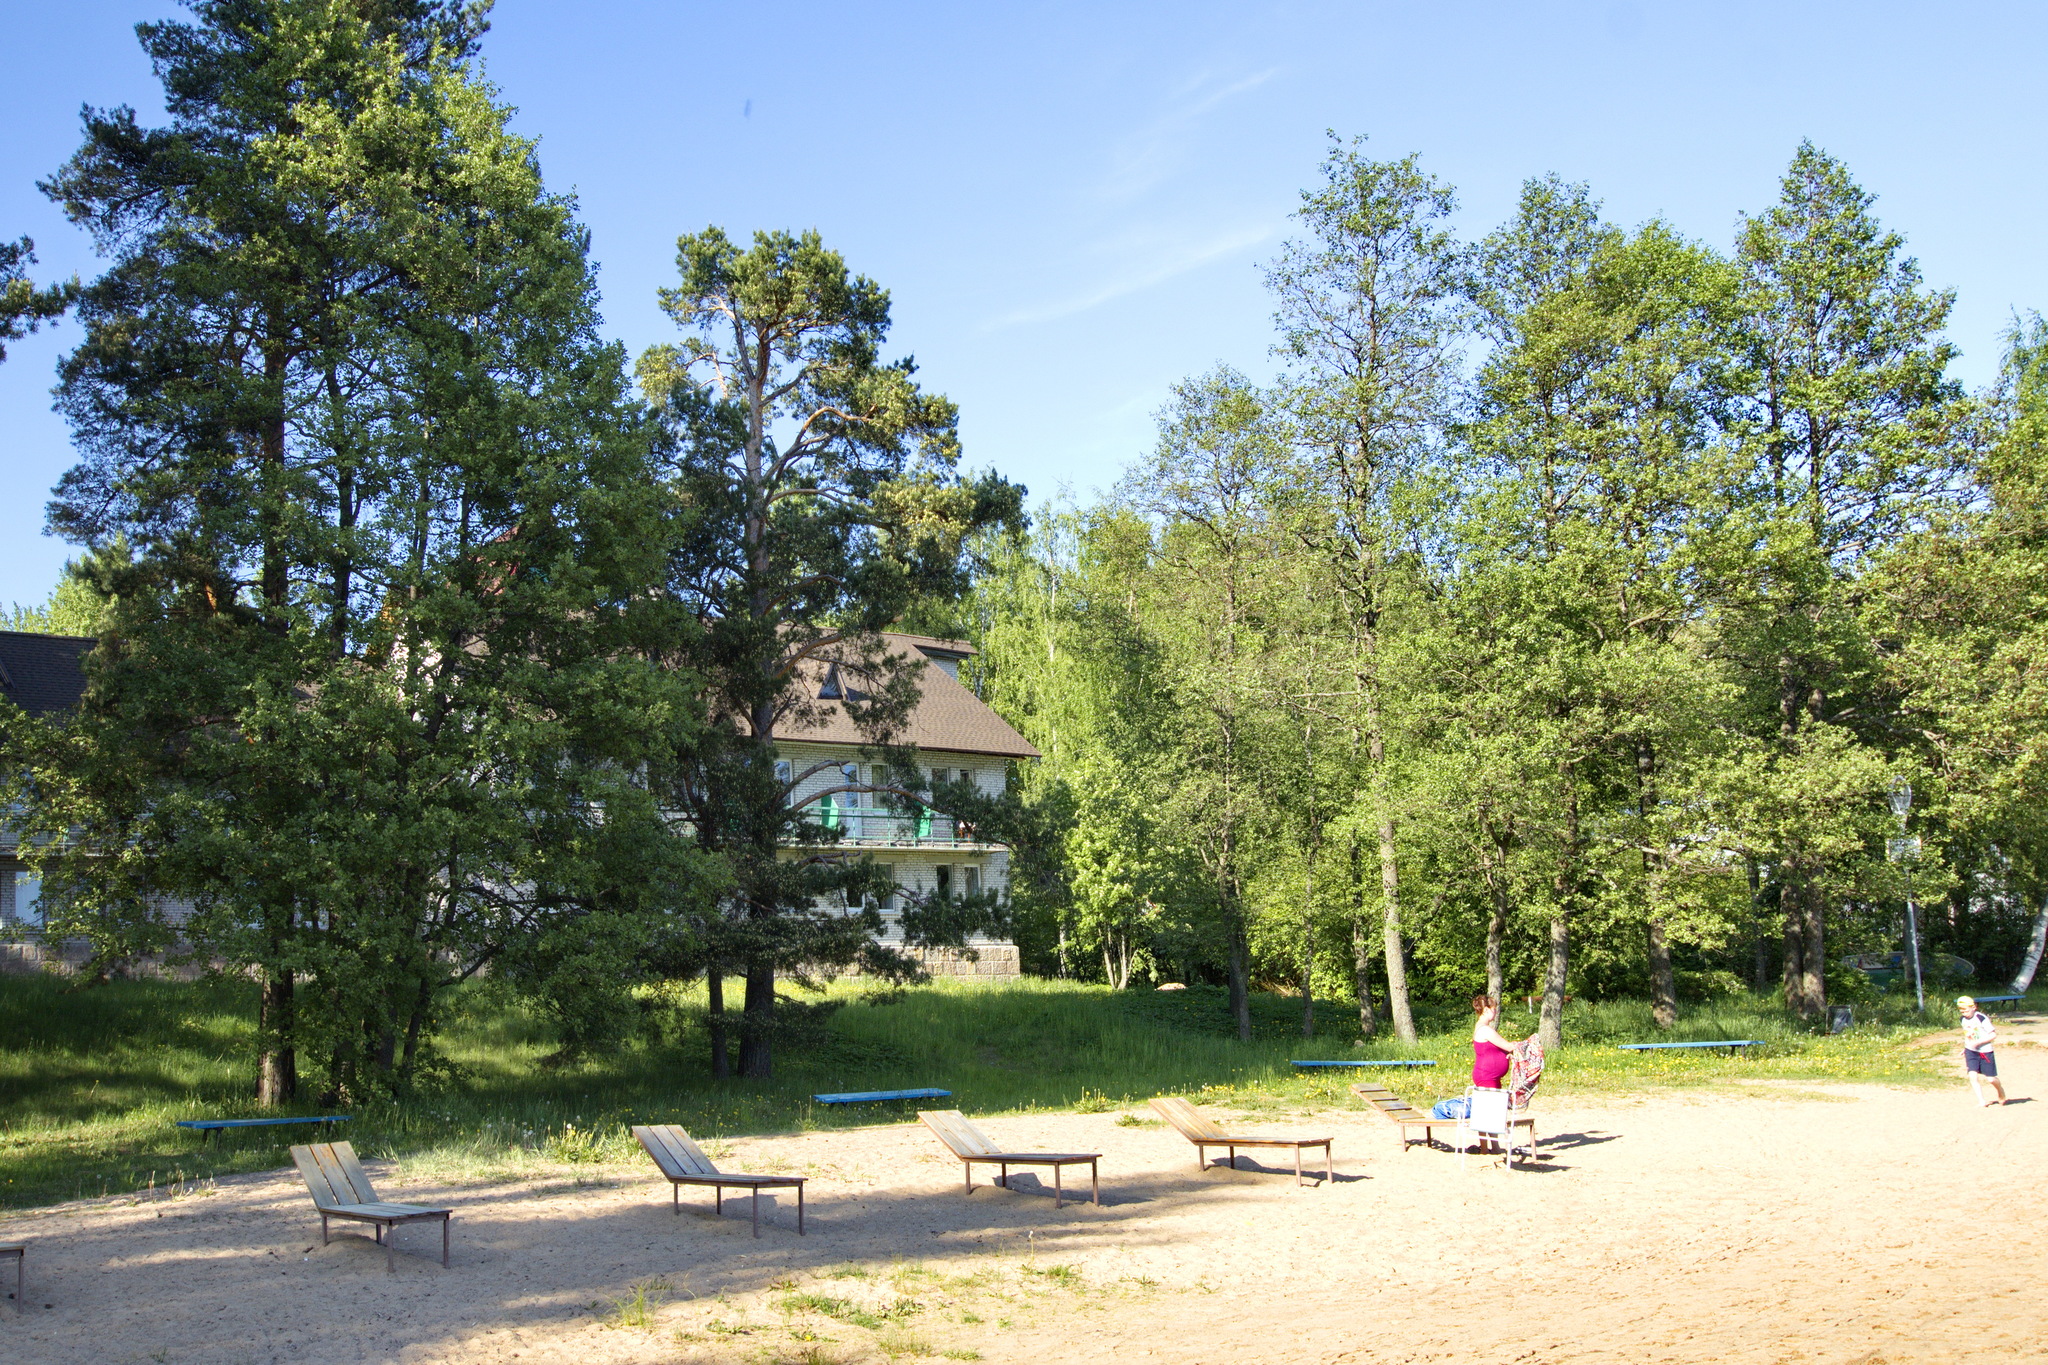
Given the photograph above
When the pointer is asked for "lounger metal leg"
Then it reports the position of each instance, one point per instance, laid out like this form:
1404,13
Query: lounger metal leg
718,1194
968,1167
1058,1191
799,1210
1297,1165
390,1262
1329,1166
675,1199
323,1229
444,1242
1004,1179
1095,1179
1233,1158
757,1210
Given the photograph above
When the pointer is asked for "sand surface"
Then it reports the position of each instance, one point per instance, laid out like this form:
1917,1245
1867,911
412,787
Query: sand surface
1811,1224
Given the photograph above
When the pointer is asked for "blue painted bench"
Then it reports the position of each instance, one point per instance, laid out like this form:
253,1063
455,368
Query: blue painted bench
212,1126
1998,999
1732,1044
879,1096
1308,1065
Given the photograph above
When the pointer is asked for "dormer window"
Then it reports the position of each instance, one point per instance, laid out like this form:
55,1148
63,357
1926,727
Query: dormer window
833,689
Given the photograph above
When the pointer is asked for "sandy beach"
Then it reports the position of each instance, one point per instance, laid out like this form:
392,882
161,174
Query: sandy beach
1831,1224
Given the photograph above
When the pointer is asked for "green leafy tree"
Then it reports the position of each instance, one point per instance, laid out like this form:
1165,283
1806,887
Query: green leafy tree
1961,613
1369,311
1850,423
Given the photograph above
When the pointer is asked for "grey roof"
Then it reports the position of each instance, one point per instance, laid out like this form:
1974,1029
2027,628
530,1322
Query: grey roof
42,673
947,718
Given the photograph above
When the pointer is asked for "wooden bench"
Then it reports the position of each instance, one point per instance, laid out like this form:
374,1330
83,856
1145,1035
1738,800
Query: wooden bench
1999,999
1311,1066
340,1190
1732,1044
970,1144
19,1251
1205,1135
1400,1113
212,1126
684,1163
882,1096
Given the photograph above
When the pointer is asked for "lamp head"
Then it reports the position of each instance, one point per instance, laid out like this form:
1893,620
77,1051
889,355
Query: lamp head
1901,797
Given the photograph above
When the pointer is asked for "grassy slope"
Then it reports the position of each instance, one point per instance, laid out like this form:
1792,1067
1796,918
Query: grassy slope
91,1081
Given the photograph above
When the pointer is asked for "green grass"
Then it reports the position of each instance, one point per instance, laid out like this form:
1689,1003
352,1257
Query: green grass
92,1080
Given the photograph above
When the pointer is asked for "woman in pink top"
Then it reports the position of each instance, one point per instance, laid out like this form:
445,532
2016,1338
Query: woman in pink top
1491,1053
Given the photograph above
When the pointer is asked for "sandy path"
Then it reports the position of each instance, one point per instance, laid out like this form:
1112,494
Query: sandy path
1866,1226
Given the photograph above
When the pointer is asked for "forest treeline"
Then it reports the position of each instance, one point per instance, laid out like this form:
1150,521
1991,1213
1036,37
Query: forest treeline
1560,620
434,639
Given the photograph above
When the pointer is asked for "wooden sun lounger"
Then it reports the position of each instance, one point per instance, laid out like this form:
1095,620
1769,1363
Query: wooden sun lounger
1205,1135
341,1190
970,1144
1399,1112
684,1163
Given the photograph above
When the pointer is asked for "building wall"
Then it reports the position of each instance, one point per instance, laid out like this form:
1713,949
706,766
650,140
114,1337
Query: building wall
916,862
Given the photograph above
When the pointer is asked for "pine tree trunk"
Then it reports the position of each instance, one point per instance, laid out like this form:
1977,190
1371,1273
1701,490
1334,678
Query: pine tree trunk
1795,944
277,1069
1663,984
1240,979
1361,947
1550,1029
757,1022
1813,980
1760,966
1308,990
1564,895
714,1020
1390,936
1496,934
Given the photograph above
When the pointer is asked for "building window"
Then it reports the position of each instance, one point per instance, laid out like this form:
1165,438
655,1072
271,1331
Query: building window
783,773
19,892
888,901
850,774
970,880
945,881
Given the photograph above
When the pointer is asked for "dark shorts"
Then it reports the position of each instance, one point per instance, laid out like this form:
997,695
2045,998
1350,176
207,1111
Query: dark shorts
1980,1063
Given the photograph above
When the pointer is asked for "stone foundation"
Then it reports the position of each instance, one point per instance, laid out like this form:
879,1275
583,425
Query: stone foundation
991,962
33,954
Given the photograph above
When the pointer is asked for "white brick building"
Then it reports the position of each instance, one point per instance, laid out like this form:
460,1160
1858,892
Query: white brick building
957,737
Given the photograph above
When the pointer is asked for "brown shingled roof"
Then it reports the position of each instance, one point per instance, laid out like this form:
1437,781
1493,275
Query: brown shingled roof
947,718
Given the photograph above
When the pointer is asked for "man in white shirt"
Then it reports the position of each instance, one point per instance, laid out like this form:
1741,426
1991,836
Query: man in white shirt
1980,1062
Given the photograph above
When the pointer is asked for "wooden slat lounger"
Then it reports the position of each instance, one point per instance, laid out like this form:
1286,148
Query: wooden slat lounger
1399,1112
684,1163
1205,1135
341,1190
970,1144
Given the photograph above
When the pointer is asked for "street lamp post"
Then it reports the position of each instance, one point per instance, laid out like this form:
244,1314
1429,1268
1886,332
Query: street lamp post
1902,850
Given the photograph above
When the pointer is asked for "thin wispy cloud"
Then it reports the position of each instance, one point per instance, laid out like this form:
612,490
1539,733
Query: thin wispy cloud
1155,271
1150,154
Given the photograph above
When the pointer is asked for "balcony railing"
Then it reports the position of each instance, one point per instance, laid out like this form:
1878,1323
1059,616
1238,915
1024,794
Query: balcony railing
927,828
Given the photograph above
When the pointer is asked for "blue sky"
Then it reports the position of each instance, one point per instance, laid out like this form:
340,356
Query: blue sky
1070,203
